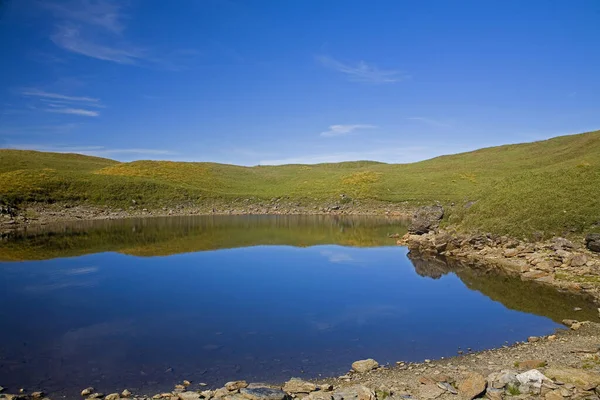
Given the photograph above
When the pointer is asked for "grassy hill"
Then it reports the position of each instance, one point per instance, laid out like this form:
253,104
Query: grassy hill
551,186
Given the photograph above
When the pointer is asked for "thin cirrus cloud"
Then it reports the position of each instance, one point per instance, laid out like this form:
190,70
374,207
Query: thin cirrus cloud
362,72
338,130
96,29
71,38
74,111
64,104
104,14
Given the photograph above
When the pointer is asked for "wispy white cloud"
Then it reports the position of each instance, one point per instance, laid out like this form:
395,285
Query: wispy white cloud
96,29
70,38
338,130
430,121
57,96
73,111
362,72
101,13
63,104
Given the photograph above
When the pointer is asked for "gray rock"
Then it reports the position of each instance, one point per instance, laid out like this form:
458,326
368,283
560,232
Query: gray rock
125,393
425,219
578,260
356,392
531,381
263,393
365,365
499,380
87,391
112,396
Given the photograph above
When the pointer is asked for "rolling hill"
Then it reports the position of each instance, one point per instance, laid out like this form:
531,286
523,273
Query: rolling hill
550,186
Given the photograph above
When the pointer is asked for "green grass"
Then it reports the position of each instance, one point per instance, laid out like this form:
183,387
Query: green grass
551,186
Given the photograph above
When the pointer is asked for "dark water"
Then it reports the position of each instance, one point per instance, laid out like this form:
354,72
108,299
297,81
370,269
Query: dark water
143,304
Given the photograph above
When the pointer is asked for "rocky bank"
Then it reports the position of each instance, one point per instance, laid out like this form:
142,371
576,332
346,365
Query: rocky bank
565,365
42,214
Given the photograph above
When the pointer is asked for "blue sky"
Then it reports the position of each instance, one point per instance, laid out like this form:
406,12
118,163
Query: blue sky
301,81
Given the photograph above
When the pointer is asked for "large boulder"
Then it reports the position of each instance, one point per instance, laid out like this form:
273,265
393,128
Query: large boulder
472,386
365,365
592,242
426,219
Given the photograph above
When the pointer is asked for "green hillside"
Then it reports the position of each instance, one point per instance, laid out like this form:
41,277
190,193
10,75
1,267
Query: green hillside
551,186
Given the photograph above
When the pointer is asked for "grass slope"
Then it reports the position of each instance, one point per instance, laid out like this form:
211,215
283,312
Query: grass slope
551,186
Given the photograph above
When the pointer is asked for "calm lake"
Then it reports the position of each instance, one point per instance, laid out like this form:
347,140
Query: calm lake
143,304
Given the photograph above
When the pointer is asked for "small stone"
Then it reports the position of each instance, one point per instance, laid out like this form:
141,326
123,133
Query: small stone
87,391
533,339
356,392
263,393
95,396
112,396
235,385
447,387
37,395
472,385
430,392
552,338
365,365
297,385
494,394
577,309
207,394
126,393
188,396
202,384
186,383
576,326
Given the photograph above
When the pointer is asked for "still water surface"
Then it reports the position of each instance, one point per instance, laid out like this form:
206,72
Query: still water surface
143,304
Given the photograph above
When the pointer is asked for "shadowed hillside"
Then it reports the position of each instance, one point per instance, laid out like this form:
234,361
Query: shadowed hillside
550,186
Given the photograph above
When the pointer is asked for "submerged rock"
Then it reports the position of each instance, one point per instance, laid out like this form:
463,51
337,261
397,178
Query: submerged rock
365,365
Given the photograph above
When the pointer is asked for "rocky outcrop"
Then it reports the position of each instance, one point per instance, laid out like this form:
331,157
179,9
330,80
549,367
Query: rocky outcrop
557,262
426,219
592,242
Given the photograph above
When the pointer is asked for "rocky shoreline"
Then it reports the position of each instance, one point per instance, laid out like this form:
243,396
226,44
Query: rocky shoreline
43,214
558,262
565,365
